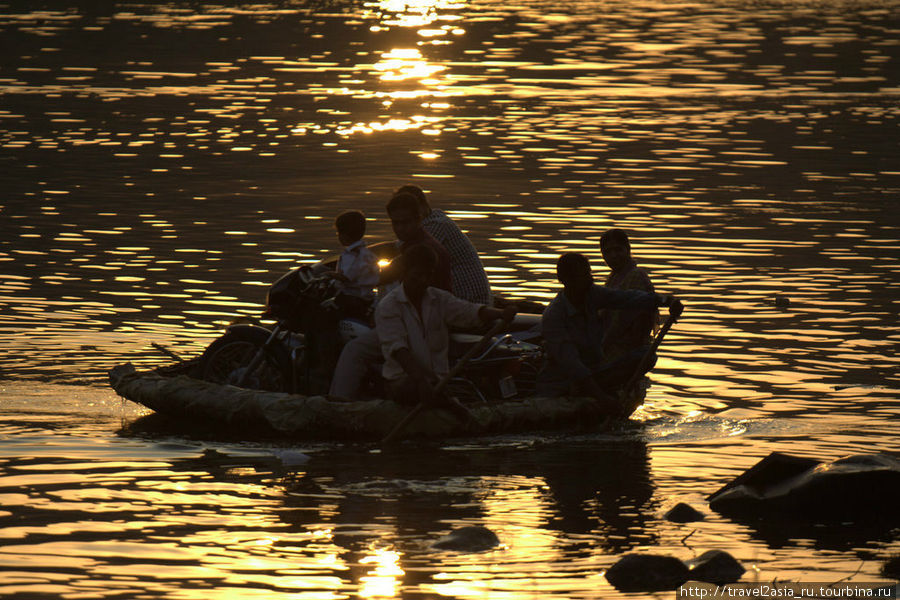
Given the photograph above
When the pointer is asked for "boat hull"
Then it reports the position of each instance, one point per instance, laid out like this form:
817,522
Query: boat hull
314,417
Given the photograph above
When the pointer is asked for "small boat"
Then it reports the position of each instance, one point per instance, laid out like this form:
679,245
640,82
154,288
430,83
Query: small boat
173,392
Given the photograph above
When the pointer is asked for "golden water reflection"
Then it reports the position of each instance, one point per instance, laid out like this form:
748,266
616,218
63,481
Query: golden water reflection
381,581
160,516
153,193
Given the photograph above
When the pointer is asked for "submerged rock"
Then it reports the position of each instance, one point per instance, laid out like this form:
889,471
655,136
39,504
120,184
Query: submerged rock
291,458
468,539
684,513
647,573
716,566
891,567
863,487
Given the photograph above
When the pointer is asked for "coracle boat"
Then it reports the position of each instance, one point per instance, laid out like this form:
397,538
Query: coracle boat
173,392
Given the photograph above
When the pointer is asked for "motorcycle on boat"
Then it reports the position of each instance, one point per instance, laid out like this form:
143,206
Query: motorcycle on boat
310,326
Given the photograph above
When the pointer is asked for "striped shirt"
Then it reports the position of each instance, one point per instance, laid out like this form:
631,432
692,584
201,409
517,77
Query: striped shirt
470,282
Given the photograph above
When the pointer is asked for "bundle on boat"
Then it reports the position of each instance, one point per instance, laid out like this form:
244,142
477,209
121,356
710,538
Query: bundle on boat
315,417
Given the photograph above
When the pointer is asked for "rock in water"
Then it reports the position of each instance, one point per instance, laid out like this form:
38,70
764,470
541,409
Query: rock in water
856,487
716,566
468,539
891,567
291,458
647,573
684,513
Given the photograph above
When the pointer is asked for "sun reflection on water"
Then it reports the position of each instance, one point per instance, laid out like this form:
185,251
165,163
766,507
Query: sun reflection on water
383,579
401,64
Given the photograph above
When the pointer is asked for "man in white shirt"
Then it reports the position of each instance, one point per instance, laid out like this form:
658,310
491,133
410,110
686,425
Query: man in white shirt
413,323
363,352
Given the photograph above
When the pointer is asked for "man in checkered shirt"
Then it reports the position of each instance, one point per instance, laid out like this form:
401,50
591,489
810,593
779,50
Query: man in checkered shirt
470,282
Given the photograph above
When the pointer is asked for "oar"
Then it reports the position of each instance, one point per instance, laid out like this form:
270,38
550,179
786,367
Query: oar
462,362
639,371
166,351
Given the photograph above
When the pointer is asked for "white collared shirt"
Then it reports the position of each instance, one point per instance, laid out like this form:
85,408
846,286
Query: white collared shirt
358,264
399,325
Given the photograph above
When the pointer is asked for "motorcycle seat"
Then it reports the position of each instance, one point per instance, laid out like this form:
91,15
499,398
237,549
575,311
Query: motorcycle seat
524,321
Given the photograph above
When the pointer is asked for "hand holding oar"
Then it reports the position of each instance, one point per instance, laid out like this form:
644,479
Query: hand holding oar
462,362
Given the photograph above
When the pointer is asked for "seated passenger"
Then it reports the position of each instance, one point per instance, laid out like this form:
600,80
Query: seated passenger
406,221
412,325
573,336
470,282
625,330
359,354
357,268
356,273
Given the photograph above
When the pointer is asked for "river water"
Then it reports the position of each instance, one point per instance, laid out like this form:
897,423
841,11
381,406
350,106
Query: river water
162,163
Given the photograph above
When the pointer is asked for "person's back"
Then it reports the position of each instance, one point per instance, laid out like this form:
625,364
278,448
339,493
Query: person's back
625,330
470,281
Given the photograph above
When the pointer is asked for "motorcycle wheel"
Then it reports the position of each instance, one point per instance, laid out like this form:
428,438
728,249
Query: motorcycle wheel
225,360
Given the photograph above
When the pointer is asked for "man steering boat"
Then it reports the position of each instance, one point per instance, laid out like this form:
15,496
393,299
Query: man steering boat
573,332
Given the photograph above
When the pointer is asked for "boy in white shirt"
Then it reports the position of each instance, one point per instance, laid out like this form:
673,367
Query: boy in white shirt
356,274
357,268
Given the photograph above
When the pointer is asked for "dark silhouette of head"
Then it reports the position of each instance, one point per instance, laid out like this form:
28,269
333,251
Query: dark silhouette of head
416,191
406,217
419,264
616,249
574,271
350,226
615,235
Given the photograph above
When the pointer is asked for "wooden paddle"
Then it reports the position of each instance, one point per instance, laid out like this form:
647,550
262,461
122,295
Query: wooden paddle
166,351
462,362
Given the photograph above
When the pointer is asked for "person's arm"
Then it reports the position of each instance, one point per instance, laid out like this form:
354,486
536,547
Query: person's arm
331,272
394,341
335,275
487,314
604,297
413,368
635,299
462,313
421,377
